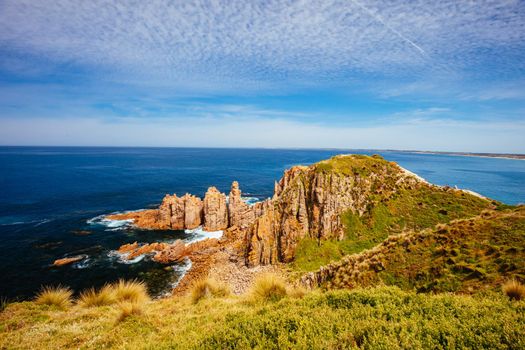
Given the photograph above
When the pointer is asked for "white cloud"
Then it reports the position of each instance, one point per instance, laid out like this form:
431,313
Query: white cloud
437,135
251,42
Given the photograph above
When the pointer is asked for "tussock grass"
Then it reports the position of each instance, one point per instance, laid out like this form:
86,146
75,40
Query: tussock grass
132,291
128,309
93,298
374,318
207,288
55,296
297,292
514,290
268,287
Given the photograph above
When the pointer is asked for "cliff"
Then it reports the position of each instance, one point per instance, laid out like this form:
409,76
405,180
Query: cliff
354,199
351,199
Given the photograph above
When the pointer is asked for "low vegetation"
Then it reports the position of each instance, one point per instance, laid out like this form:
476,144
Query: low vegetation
101,297
130,291
268,287
60,297
376,318
463,256
514,290
207,288
129,308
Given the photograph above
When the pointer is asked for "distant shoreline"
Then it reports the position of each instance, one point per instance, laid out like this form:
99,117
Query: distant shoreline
461,154
480,155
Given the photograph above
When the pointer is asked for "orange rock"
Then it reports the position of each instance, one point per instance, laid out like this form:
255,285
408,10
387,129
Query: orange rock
70,260
175,252
215,210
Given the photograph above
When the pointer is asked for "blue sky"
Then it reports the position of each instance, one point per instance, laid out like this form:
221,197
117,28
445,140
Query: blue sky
427,75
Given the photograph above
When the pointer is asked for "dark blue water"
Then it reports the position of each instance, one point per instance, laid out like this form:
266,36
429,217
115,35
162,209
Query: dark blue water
50,195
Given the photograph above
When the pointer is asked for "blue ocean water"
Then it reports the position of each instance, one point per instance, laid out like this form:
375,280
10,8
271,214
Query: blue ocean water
51,199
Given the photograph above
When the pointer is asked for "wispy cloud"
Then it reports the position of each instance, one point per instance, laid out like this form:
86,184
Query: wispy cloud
252,42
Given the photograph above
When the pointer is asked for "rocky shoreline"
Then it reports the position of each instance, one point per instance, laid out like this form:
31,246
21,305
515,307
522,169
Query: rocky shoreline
309,202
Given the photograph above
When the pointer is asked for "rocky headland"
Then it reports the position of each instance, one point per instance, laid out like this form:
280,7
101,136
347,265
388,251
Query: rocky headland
346,198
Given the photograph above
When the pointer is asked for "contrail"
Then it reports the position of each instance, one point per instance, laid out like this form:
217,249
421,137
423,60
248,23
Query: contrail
380,20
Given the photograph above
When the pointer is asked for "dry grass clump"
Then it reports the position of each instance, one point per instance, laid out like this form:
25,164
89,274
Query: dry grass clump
207,288
514,290
269,287
129,308
297,292
132,291
93,298
55,296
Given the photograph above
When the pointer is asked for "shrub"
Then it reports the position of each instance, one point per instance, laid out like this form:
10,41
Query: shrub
208,288
127,309
269,287
56,296
514,289
92,297
132,291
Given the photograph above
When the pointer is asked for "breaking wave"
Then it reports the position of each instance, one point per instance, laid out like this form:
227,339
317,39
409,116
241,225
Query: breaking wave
122,258
198,234
112,225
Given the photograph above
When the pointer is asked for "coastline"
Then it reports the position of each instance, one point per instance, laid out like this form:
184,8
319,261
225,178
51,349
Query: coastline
466,154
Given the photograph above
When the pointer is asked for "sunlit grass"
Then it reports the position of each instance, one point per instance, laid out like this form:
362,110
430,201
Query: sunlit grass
93,297
131,291
59,296
207,288
514,290
268,287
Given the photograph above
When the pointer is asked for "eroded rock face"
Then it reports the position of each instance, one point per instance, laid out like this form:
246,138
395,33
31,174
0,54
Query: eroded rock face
215,210
179,213
308,201
241,215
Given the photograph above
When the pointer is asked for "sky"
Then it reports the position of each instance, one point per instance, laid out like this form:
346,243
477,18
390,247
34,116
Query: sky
398,74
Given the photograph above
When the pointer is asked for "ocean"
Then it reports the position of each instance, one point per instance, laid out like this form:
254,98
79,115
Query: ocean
52,199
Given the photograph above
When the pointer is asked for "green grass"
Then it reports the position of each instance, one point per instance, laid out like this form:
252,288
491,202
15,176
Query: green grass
379,318
411,209
355,164
463,256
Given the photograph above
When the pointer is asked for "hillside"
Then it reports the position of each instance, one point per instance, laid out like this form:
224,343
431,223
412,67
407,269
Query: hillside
465,255
363,200
382,318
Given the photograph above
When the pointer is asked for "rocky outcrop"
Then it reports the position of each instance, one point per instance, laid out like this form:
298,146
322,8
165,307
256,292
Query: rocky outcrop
69,260
308,202
215,210
181,213
175,252
133,250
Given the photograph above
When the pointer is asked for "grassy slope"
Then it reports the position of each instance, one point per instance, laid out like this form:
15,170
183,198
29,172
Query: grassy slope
381,318
463,256
412,208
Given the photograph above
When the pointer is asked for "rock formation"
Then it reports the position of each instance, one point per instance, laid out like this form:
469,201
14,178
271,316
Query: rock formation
181,213
308,202
70,260
215,210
